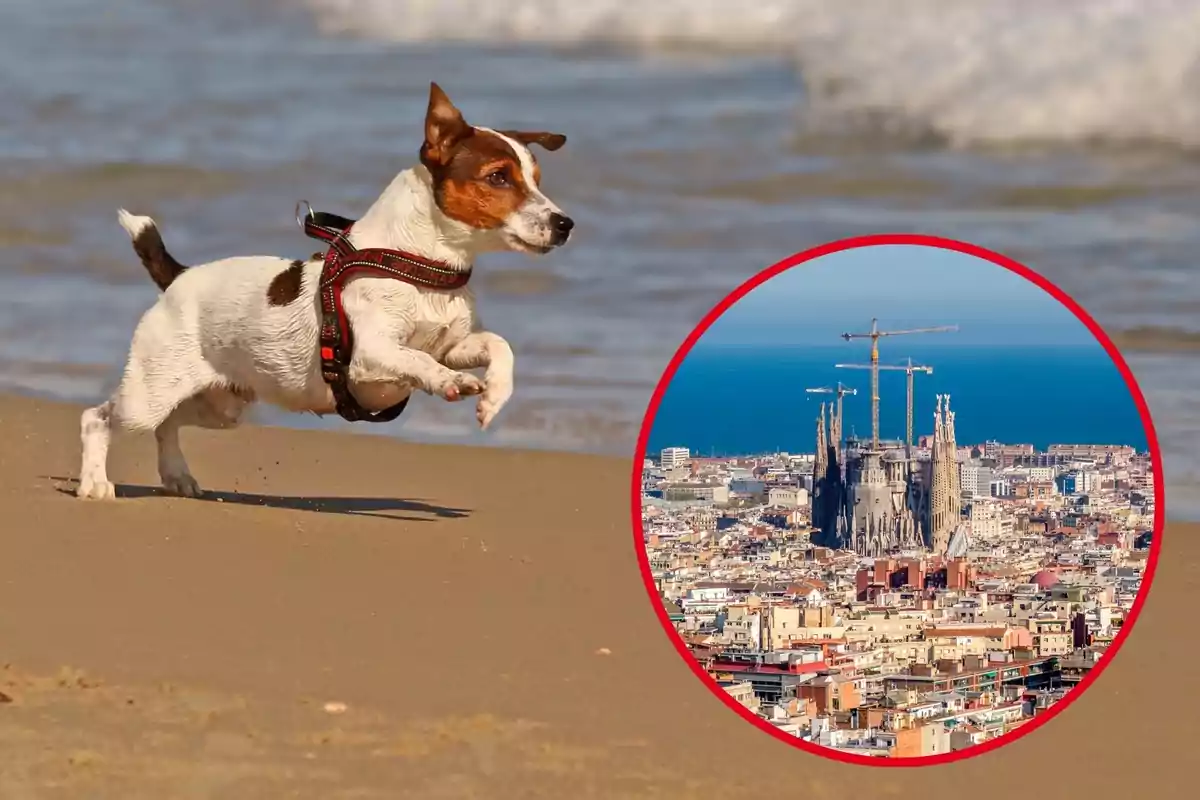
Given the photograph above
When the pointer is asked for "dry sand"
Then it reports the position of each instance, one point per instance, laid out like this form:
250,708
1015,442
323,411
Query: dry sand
456,601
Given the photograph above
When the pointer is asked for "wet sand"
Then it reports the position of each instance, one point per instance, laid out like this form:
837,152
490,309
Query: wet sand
478,611
1151,339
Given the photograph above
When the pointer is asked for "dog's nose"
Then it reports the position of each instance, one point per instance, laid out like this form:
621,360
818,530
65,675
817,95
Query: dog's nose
561,225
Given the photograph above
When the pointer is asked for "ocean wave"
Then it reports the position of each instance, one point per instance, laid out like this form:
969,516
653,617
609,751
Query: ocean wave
960,71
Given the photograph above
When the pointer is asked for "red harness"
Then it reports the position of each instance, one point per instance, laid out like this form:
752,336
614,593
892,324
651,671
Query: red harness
344,261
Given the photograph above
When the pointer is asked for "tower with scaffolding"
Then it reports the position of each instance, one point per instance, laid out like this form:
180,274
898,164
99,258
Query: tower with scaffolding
876,497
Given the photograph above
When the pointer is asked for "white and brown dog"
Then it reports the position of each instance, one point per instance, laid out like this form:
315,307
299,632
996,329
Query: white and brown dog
229,333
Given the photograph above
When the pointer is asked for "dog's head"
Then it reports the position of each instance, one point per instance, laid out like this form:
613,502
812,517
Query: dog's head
488,180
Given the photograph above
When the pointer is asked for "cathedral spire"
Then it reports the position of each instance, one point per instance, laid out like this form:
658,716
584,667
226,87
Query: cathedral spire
945,504
821,444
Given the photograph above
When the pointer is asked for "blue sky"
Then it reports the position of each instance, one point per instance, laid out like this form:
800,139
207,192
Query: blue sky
904,286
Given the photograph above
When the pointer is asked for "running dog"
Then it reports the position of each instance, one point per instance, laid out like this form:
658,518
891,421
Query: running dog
229,333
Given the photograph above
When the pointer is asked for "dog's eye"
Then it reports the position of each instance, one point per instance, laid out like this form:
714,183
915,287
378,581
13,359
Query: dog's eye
498,178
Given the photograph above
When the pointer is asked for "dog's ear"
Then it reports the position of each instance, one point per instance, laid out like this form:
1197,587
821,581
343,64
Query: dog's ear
550,141
444,127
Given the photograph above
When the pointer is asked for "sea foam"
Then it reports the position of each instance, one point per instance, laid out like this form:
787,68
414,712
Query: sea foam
965,71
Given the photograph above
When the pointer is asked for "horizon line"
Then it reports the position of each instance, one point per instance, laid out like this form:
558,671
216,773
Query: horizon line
702,342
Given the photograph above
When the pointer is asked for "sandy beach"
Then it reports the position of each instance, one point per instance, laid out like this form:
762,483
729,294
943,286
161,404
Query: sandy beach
477,612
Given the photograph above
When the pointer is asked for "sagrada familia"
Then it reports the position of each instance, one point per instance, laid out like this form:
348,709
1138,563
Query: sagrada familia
876,501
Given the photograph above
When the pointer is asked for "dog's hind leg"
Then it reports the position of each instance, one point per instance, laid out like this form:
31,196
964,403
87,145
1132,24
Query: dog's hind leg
97,426
95,433
164,371
172,466
214,408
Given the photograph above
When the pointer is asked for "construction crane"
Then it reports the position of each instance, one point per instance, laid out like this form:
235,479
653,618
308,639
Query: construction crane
840,391
909,369
875,335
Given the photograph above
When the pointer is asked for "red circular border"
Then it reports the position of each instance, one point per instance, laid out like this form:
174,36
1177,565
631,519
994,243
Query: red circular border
945,244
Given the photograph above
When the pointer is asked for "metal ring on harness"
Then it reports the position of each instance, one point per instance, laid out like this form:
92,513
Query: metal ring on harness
300,217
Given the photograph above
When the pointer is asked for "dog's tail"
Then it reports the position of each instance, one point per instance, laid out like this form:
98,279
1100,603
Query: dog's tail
148,244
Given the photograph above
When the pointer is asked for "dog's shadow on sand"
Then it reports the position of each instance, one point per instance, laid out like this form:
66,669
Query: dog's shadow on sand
403,510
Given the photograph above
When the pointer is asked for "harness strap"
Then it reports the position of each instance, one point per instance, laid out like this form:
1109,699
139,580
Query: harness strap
325,226
342,262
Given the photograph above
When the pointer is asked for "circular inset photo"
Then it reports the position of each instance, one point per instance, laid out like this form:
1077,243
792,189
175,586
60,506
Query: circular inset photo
898,501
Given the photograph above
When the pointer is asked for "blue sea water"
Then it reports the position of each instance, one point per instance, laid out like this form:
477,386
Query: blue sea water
731,400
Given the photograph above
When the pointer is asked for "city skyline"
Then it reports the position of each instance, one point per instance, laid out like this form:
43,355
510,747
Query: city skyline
652,452
886,609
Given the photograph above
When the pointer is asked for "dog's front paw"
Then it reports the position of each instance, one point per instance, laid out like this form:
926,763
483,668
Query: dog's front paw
495,396
90,489
459,385
182,485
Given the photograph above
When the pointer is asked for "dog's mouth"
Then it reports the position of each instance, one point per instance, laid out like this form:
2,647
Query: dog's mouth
524,246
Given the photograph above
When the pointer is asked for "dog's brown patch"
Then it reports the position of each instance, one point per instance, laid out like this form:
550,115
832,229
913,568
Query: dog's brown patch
161,265
550,141
482,183
285,287
477,176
